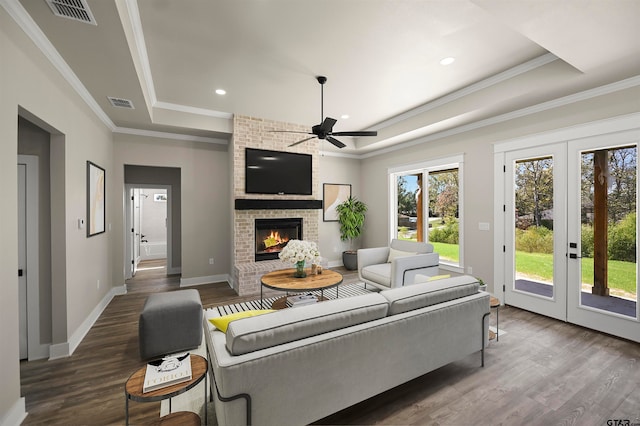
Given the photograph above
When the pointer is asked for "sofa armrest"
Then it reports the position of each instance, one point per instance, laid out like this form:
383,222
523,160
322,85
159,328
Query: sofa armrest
404,267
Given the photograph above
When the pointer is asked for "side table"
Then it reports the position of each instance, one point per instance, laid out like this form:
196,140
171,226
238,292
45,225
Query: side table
494,302
133,392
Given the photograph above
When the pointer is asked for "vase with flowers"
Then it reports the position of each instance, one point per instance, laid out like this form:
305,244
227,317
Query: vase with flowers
298,252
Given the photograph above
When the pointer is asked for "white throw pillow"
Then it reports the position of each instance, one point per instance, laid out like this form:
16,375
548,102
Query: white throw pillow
393,254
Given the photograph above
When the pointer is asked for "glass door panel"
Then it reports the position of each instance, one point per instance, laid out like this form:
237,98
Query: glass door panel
603,249
535,236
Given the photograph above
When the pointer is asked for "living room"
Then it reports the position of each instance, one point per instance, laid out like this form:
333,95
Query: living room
83,274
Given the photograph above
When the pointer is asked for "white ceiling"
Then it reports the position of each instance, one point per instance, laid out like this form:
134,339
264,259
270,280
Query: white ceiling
381,58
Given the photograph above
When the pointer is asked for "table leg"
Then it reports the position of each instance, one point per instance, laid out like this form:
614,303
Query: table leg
261,296
497,322
206,408
126,410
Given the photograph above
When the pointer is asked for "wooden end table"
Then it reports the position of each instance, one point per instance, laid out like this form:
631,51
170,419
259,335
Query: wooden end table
133,392
283,280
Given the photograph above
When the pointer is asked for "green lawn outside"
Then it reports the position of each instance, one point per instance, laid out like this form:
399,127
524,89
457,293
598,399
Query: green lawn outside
622,275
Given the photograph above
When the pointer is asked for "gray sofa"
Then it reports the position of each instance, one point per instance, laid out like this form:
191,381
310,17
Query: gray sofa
398,264
298,365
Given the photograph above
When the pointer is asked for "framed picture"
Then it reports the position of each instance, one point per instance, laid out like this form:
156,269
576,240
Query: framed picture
161,198
96,212
333,195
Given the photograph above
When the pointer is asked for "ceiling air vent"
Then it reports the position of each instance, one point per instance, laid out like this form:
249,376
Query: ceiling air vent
78,10
120,103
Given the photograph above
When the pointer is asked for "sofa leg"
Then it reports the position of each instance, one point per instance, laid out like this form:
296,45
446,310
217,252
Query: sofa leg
484,335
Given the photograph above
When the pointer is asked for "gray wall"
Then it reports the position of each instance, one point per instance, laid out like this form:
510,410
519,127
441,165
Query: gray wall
204,200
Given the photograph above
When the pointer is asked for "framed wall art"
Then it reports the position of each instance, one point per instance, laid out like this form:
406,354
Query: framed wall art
96,211
333,195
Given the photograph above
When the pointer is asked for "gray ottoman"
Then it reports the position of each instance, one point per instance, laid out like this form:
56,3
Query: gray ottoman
170,322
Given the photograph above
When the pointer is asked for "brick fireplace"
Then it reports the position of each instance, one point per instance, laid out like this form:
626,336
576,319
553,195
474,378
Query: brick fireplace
256,133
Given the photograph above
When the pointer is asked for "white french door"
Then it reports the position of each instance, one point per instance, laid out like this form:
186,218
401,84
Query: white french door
535,230
612,159
570,249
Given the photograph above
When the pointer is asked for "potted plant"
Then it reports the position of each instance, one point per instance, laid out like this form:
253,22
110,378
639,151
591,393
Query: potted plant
351,217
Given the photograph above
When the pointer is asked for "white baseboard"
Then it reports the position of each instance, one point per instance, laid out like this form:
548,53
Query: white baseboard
62,350
16,414
335,263
187,282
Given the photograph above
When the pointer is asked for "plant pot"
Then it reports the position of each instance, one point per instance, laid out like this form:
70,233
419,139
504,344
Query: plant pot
350,260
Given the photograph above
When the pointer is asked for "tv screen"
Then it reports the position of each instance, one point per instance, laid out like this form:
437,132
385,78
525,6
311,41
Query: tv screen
277,172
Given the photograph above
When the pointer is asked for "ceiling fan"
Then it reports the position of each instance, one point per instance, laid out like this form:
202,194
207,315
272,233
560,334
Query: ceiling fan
324,130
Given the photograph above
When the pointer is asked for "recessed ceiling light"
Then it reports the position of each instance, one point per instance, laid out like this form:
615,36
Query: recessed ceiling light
447,61
221,92
344,116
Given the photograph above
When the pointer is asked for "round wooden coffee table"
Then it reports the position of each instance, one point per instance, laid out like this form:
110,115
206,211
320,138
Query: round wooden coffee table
283,280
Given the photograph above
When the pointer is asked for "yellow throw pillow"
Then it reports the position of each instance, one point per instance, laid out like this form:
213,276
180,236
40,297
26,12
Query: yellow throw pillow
393,254
222,323
439,277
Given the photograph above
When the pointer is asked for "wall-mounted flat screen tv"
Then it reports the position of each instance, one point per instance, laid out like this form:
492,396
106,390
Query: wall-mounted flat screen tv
277,172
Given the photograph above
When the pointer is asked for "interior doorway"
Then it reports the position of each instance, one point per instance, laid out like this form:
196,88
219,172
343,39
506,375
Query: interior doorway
149,225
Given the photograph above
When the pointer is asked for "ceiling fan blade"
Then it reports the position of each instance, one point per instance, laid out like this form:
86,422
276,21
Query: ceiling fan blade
363,133
336,142
327,124
303,140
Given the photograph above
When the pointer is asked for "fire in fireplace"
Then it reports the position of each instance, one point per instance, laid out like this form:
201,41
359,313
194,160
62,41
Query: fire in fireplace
272,235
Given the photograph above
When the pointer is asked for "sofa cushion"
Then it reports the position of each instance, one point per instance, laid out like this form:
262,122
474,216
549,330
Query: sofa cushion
379,273
287,325
393,253
222,323
421,295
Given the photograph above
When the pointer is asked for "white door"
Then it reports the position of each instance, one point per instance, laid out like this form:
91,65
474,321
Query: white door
22,260
570,249
535,230
603,234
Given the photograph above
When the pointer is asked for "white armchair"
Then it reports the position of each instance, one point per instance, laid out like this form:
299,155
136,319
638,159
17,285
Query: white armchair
398,264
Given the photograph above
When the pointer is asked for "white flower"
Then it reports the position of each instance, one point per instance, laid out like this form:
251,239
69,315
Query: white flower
299,250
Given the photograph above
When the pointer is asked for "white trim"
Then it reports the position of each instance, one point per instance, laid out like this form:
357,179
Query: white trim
187,282
141,48
66,349
15,415
435,164
594,128
556,103
36,350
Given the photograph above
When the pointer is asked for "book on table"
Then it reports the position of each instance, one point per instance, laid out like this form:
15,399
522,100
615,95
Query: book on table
301,299
167,371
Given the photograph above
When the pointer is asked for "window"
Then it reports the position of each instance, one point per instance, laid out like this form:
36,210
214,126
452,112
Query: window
426,206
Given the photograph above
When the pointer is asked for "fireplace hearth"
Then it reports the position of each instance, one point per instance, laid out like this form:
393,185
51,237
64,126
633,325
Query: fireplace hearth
272,235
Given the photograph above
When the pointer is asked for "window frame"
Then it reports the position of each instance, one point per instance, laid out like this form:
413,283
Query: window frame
424,168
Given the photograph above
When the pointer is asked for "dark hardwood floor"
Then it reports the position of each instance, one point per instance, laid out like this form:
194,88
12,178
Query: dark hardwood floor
541,372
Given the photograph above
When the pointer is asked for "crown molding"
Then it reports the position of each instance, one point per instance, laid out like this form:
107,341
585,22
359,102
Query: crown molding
193,110
544,106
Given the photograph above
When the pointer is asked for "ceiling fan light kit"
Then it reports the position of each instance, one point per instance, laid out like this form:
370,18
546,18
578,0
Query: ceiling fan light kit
324,130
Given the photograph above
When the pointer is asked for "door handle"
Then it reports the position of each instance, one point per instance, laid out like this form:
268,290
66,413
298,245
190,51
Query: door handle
574,256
